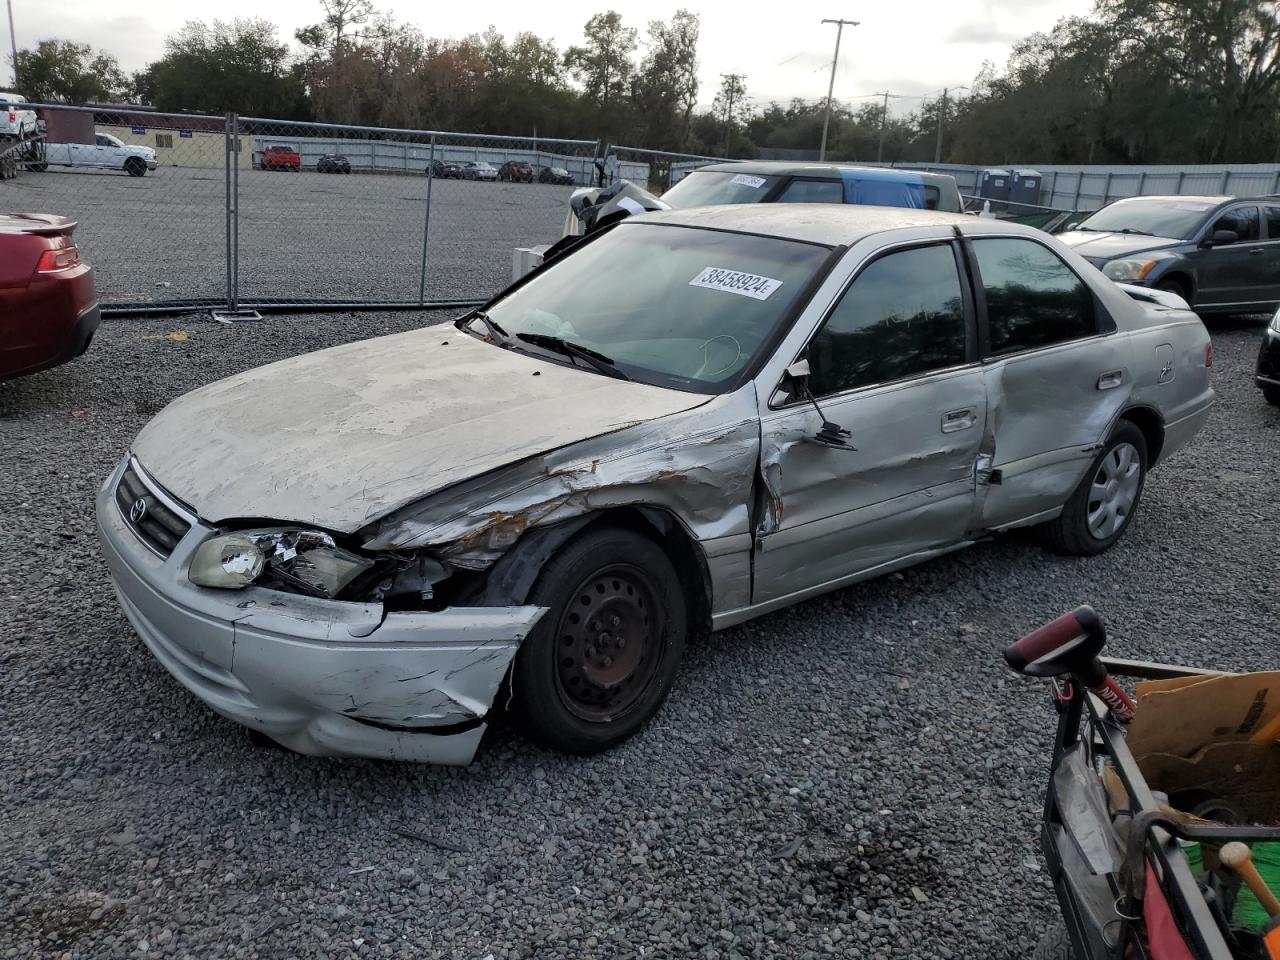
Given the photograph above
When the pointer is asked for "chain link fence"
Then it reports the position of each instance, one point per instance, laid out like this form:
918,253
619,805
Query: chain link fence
184,211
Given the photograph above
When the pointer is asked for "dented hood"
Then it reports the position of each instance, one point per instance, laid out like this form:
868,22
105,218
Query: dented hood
340,437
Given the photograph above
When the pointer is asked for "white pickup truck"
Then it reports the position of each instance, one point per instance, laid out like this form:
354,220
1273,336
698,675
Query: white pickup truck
16,123
106,152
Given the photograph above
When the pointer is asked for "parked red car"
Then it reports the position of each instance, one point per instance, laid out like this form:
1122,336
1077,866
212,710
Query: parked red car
516,171
48,304
280,157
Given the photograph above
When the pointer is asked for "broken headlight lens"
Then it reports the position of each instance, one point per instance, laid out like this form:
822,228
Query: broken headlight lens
307,560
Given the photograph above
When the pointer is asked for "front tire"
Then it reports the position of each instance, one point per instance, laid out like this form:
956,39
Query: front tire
135,167
603,658
1102,506
1271,395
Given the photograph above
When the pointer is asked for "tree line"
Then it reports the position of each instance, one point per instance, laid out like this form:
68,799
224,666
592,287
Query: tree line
1136,81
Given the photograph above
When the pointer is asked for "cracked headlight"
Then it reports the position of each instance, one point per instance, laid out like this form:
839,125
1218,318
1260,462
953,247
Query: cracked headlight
1128,270
307,560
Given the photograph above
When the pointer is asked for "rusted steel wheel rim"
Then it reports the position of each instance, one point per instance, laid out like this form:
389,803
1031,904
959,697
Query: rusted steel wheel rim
609,642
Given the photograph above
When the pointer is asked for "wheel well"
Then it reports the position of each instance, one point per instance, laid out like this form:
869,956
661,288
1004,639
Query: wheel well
1182,282
511,578
664,529
1152,427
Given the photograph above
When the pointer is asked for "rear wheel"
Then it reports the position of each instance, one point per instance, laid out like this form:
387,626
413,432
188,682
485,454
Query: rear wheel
603,658
1103,505
1272,395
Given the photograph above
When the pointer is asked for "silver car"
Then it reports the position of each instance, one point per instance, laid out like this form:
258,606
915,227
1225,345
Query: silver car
691,419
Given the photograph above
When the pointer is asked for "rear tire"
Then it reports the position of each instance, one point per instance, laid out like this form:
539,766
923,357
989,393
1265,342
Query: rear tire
1272,395
603,658
1103,505
1054,944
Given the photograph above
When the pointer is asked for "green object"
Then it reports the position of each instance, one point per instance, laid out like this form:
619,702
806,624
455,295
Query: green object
1195,859
1248,913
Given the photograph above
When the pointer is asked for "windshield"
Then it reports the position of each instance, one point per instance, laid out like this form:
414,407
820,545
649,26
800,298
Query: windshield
704,188
672,306
1175,218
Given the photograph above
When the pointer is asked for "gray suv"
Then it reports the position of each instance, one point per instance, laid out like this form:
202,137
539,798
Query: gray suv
1220,254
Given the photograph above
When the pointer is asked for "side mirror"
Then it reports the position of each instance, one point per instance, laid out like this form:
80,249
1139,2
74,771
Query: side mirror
1072,225
1220,238
799,370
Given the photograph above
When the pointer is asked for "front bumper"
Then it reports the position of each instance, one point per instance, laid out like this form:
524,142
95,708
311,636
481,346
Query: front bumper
320,677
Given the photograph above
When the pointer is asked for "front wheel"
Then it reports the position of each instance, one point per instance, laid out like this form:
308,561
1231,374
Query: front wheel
1271,395
1103,505
135,167
603,658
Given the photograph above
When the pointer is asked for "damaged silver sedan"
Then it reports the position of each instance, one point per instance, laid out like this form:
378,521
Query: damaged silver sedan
687,420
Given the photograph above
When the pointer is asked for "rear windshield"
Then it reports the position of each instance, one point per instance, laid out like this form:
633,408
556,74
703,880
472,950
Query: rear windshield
705,188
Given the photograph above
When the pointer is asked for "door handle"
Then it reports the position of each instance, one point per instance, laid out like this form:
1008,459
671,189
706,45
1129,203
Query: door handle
956,420
1255,251
1111,379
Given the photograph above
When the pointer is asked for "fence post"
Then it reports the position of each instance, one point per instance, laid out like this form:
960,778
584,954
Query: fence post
1182,174
1106,189
1226,178
227,162
1142,182
1075,204
235,214
1053,188
426,220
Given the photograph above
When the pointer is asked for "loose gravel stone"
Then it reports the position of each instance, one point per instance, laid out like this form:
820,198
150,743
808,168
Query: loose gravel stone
793,798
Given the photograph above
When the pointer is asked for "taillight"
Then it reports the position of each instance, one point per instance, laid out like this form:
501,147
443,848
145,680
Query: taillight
1208,354
12,116
53,261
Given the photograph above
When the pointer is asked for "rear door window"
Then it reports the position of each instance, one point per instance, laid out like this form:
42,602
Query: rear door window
1033,298
1273,222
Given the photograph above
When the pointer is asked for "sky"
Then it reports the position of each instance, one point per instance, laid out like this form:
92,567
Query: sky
911,48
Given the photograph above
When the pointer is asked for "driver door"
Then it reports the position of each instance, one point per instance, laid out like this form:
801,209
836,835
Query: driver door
895,363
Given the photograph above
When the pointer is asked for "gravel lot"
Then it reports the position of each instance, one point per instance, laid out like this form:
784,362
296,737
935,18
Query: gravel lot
857,776
306,235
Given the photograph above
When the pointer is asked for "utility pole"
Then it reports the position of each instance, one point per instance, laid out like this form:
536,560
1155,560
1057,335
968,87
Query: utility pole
942,113
826,117
734,79
884,122
13,46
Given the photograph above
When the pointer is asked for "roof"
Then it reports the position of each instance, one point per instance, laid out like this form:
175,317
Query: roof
794,168
1207,198
826,223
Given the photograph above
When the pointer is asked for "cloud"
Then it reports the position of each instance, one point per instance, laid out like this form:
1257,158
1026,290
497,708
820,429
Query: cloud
983,31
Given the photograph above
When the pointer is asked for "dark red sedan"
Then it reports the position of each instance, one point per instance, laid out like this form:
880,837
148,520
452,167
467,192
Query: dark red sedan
48,305
279,156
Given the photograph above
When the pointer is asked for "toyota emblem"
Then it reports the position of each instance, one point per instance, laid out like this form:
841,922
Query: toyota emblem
138,510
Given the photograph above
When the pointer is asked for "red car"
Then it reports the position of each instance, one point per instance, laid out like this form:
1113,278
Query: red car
516,171
280,157
48,305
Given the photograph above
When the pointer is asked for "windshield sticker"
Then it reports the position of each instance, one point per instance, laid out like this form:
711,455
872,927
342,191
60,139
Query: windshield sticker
749,181
734,281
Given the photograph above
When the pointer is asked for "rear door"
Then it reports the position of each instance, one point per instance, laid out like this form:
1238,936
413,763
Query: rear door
1236,274
1057,375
